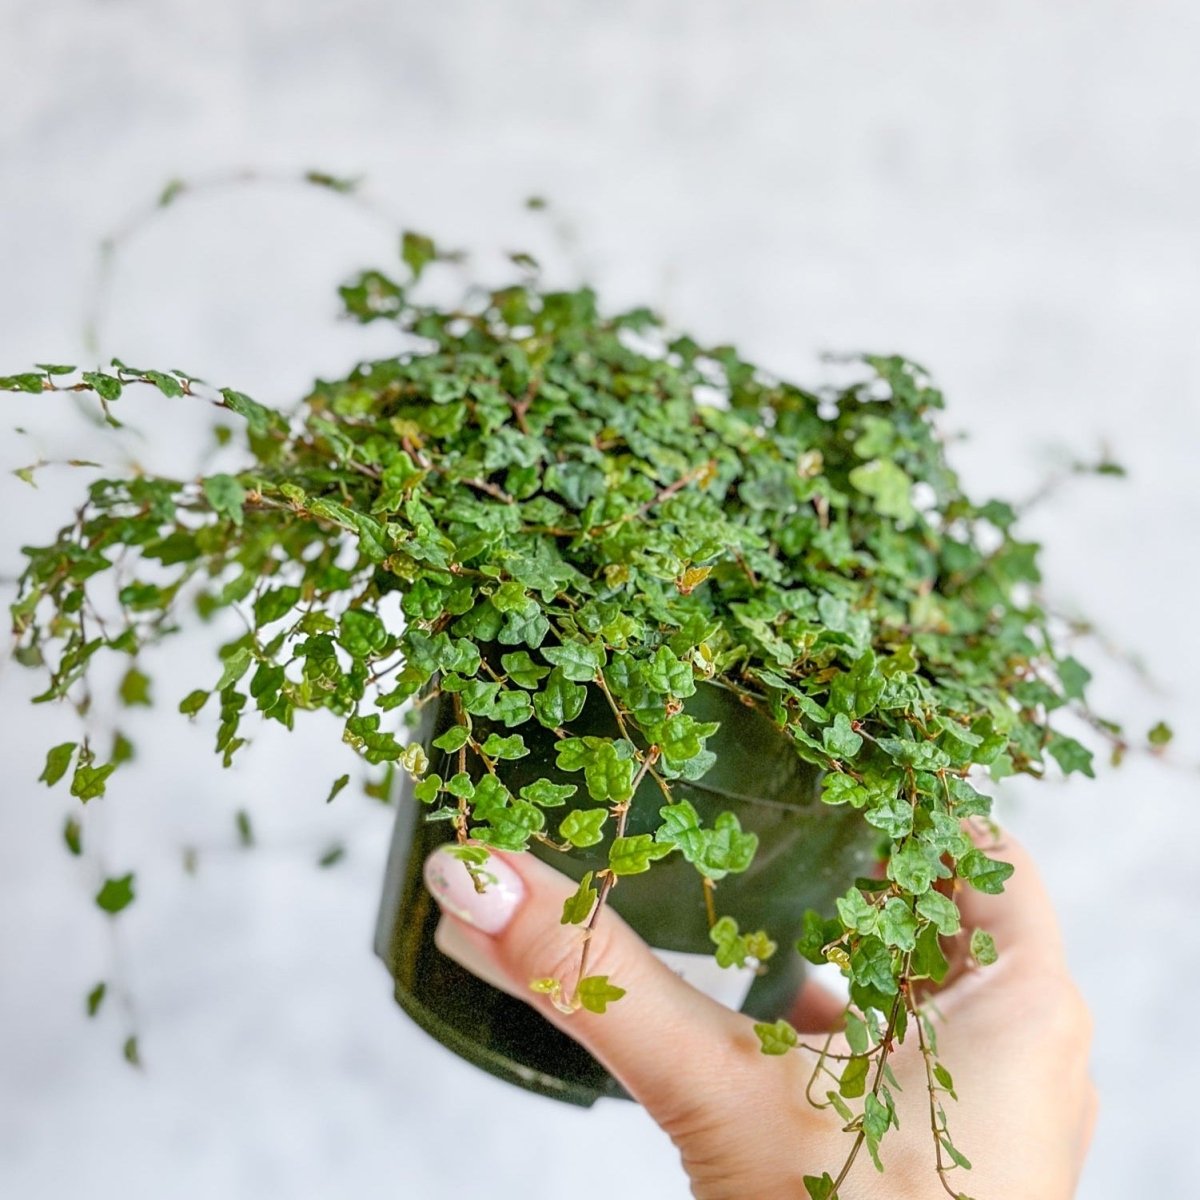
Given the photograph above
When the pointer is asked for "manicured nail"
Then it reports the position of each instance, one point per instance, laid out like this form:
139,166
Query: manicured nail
455,890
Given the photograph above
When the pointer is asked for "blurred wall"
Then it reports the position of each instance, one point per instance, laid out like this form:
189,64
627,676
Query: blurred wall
1007,192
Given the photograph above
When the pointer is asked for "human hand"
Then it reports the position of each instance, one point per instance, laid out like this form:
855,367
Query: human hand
1014,1035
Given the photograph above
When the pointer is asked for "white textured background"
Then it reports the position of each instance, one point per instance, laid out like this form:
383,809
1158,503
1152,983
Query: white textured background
1008,192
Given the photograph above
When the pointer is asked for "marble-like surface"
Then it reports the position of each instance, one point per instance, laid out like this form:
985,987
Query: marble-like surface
1005,191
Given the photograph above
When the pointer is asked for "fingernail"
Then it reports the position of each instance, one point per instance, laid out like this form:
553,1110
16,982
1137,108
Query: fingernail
452,886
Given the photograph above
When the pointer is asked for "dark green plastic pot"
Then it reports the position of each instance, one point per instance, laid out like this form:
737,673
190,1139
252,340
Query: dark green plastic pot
808,854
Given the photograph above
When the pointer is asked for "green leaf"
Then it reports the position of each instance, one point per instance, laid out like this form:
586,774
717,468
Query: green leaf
58,759
983,873
88,782
596,993
633,855
522,670
339,785
891,813
578,906
914,868
135,688
95,998
428,790
1074,677
1071,755
236,665
227,497
245,829
1160,734
731,949
888,486
107,387
453,739
927,960
876,1118
959,1159
583,826
193,702
871,966
983,947
259,420
715,852
857,913
547,794
116,894
73,836
817,934
607,767
897,925
509,747
560,701
853,1081
27,382
417,251
776,1038
837,788
130,1051
579,661
840,739
941,911
332,856
819,1188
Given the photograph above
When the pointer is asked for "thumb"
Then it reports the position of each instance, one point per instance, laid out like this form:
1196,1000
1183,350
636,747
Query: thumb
671,1046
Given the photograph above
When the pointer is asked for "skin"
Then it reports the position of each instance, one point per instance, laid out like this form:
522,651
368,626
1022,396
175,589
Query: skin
1015,1037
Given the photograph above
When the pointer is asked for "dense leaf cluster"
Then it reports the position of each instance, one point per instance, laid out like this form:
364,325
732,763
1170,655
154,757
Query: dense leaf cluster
537,502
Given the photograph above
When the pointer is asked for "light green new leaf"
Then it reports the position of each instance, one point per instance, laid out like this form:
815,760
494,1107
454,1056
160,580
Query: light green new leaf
776,1038
578,906
596,993
633,855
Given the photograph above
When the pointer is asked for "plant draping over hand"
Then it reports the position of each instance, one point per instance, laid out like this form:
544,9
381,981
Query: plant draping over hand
563,501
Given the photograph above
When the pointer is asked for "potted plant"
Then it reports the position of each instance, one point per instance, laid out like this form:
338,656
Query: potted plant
733,652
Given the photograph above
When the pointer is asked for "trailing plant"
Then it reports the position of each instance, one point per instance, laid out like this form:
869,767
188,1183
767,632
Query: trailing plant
536,501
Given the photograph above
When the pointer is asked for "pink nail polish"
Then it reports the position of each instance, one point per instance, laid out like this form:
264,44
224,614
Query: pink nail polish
451,885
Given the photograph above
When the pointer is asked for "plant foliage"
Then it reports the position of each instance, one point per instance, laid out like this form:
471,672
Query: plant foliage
623,511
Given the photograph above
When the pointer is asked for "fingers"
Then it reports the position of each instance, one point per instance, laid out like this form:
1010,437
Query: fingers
664,1040
817,1009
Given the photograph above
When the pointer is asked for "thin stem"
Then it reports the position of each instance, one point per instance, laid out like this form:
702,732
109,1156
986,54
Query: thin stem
887,1045
931,1088
610,880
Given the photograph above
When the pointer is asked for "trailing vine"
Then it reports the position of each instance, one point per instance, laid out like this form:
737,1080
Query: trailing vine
535,501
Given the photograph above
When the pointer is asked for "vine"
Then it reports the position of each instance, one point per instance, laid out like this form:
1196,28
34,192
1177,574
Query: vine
534,503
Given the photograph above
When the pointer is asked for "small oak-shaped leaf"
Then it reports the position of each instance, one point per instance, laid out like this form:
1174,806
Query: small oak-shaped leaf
983,947
583,826
509,747
58,759
633,855
776,1038
986,874
596,993
819,1187
578,906
547,794
941,911
840,739
116,894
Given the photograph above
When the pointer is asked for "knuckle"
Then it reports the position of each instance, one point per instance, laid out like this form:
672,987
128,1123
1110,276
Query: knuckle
1067,1013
